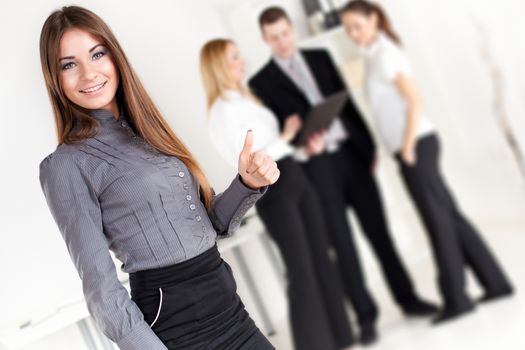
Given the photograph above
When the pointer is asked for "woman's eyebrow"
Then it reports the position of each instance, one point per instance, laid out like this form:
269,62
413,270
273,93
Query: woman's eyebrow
71,57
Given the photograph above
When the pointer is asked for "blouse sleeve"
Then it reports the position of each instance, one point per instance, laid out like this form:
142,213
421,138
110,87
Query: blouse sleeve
392,62
228,208
278,148
75,208
227,129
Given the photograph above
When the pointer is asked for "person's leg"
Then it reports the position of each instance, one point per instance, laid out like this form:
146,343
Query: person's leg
308,319
327,273
363,195
439,222
475,251
482,261
329,189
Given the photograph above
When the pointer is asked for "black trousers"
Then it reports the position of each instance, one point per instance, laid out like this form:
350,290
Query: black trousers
194,305
291,213
455,242
343,180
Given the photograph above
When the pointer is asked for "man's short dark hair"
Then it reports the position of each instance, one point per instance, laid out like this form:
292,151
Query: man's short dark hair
272,15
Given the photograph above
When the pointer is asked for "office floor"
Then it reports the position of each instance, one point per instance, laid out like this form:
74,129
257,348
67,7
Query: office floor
497,325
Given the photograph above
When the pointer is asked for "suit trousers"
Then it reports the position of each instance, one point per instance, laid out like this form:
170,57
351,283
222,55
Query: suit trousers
344,181
455,242
290,211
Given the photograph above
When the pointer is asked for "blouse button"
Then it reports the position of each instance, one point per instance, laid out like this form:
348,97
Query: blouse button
198,218
185,186
192,206
188,197
181,174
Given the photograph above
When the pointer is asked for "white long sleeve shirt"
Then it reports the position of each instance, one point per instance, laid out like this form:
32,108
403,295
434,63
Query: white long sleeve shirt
232,116
104,195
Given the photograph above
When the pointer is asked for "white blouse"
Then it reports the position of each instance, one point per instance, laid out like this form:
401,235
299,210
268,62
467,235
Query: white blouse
232,116
389,108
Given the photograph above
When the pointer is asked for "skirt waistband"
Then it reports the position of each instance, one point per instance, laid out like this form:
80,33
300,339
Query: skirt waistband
176,273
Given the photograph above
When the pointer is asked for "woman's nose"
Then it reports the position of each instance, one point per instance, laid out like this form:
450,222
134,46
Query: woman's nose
89,72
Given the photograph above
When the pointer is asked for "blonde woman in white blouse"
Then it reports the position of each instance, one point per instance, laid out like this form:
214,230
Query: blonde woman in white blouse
410,136
290,209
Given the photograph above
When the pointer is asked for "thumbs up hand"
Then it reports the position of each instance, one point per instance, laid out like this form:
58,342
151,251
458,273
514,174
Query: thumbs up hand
257,169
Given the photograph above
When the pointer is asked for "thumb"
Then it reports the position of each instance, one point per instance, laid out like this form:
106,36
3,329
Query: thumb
248,143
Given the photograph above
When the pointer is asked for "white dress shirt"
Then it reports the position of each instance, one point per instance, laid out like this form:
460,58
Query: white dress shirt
298,71
385,60
232,116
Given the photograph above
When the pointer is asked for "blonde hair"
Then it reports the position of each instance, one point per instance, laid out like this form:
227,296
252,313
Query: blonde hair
131,94
216,76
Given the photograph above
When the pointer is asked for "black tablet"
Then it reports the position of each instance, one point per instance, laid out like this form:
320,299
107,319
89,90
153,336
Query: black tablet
321,116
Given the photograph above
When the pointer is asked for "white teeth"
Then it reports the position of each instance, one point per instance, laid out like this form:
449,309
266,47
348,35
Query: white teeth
94,88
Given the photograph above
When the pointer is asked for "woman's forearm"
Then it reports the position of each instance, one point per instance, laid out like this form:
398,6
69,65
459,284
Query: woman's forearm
413,115
408,91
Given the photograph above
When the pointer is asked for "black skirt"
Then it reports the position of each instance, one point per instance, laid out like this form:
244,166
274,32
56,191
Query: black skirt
194,305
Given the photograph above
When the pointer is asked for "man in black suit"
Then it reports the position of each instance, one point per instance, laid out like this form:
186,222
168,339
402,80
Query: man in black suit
291,82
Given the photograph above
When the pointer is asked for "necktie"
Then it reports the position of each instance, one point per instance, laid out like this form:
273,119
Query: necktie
304,81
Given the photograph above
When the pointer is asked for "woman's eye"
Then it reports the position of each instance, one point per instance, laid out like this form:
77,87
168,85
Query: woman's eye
98,55
68,65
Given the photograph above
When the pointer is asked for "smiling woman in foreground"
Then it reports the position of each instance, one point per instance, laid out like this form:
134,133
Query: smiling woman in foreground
121,180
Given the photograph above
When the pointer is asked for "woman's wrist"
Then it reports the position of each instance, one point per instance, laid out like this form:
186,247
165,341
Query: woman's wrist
251,187
286,138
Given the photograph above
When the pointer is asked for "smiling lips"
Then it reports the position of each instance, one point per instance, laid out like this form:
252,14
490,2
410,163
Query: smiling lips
94,88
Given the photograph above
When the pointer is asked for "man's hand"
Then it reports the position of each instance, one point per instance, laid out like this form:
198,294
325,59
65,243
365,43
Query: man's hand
292,125
316,143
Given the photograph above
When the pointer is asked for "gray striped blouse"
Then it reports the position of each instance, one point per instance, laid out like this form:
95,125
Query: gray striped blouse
116,192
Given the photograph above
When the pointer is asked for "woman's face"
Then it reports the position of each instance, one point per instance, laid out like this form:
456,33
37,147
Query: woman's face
88,75
362,29
235,64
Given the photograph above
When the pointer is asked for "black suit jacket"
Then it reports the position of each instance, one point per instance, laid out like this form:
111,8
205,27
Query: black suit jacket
284,98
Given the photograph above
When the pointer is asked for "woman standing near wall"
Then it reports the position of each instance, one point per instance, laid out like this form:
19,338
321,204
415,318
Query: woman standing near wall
412,139
121,180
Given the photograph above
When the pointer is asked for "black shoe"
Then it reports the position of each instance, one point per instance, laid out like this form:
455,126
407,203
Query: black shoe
419,308
491,296
368,335
448,314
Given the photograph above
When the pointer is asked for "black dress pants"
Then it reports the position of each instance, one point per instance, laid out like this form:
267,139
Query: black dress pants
291,213
455,242
343,180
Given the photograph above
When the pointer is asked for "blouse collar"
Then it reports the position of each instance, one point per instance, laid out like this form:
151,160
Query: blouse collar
232,94
371,49
105,115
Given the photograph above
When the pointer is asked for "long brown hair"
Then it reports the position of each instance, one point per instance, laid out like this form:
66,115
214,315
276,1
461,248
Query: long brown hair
367,8
75,123
216,76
